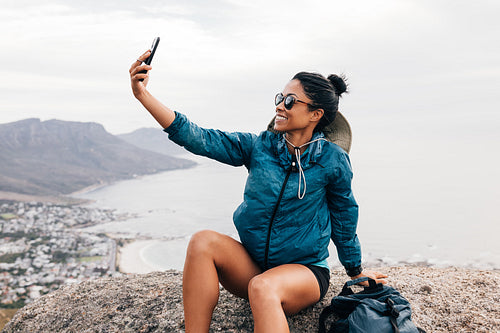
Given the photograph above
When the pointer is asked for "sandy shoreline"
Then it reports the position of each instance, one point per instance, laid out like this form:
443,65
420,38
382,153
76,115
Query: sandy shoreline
131,258
62,200
141,256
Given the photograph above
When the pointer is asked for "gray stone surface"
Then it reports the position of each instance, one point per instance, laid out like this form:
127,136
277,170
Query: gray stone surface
443,300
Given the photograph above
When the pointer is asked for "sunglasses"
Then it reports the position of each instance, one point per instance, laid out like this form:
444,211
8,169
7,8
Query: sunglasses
289,100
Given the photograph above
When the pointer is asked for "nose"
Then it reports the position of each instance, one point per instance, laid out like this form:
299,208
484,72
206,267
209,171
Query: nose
280,107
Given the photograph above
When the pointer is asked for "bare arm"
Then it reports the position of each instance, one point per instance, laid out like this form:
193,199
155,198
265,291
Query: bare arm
163,115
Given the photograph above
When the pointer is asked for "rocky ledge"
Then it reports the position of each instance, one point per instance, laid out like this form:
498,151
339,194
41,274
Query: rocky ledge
443,300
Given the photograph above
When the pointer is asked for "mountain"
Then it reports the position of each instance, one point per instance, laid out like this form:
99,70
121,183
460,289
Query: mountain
153,139
57,157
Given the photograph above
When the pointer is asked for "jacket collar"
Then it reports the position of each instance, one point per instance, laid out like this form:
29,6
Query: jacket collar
308,158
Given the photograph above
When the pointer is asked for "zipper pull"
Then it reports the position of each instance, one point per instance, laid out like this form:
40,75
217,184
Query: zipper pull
293,167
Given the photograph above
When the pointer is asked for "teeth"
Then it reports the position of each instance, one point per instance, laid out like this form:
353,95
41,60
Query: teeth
280,118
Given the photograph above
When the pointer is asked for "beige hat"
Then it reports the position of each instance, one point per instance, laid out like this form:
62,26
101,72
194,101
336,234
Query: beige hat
338,131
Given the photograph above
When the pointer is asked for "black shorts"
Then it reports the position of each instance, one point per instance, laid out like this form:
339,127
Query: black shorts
322,274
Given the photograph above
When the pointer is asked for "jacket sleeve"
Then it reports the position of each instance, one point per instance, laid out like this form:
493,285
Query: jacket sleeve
229,148
344,213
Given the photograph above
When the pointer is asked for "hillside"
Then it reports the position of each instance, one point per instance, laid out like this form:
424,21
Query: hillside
59,157
153,139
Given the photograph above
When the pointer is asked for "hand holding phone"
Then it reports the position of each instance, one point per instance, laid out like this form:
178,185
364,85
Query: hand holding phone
156,41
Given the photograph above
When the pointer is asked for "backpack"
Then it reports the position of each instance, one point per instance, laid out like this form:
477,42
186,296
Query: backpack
378,309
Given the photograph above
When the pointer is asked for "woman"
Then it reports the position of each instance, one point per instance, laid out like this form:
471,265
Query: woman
297,196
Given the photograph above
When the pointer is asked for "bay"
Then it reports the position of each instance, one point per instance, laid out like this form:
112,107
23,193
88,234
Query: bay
427,218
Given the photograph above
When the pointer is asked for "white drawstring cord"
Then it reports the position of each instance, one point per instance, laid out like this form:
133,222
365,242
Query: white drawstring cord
302,176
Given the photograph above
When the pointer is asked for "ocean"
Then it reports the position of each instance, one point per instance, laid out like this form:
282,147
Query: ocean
403,219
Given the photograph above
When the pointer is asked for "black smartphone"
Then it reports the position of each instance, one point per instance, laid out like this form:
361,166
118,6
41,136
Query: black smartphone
156,41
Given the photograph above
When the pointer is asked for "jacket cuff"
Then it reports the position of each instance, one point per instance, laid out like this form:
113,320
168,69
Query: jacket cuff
354,271
178,122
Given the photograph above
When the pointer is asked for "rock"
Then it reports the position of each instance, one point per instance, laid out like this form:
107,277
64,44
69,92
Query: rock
153,303
426,289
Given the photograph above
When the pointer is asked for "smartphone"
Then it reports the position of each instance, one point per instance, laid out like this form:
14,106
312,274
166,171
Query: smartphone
156,41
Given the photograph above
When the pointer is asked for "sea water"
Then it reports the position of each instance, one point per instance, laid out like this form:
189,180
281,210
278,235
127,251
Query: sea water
407,214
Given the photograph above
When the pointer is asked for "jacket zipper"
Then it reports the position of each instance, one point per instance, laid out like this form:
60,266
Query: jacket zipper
266,255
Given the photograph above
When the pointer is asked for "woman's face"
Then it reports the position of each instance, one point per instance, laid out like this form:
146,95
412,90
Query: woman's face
298,117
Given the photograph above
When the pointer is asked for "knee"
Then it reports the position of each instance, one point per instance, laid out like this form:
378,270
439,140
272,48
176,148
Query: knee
261,289
202,242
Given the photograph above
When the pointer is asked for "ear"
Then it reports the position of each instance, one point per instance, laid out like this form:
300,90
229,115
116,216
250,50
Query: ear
317,114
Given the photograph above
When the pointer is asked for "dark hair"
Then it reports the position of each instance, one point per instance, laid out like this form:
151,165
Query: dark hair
324,94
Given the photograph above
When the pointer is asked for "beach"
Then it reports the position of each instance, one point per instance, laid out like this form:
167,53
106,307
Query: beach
130,257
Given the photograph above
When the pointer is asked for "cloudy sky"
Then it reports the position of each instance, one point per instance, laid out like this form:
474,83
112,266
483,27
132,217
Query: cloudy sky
424,81
221,62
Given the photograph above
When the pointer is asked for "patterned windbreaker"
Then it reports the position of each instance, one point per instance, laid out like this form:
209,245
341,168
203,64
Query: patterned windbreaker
274,225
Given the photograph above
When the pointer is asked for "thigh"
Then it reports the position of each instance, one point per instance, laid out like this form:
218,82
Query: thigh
234,265
296,286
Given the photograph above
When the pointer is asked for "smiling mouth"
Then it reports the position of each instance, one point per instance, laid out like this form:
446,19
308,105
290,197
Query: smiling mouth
280,118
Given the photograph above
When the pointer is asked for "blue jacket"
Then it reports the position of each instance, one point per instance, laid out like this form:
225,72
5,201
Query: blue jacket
273,224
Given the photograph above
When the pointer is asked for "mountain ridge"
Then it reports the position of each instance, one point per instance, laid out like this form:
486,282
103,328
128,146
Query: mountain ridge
56,157
153,139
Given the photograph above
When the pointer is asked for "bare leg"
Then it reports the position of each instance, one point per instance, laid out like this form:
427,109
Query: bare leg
285,289
211,257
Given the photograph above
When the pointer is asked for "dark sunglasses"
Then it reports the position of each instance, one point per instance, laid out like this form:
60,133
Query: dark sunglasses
290,100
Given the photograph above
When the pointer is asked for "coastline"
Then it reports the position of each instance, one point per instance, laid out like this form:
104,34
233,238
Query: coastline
89,189
130,258
61,200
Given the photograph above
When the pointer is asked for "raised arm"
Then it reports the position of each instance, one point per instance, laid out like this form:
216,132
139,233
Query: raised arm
163,115
225,147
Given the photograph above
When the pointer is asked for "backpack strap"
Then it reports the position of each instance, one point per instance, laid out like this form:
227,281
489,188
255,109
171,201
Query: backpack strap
393,313
358,280
327,311
347,291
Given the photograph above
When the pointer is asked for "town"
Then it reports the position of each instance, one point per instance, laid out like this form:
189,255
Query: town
44,245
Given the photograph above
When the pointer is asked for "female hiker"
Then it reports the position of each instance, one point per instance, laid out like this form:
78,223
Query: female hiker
297,196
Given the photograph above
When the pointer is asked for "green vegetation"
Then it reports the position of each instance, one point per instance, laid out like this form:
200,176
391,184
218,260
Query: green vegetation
22,234
89,259
60,256
10,258
14,305
7,216
16,271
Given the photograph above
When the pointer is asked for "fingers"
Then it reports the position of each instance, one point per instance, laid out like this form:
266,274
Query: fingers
366,284
140,74
133,71
144,56
377,276
140,60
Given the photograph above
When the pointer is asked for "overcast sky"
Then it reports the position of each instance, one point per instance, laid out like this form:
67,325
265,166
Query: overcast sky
221,62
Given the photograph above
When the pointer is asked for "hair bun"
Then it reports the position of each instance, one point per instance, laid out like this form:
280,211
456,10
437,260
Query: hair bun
338,83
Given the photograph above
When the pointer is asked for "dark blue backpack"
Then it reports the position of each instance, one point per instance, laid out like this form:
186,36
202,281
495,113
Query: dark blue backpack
378,309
